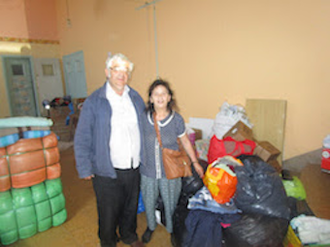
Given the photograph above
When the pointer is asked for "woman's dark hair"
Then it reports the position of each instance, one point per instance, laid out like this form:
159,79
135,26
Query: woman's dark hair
159,82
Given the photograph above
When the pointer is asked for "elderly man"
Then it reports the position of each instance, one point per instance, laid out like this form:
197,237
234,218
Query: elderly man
108,146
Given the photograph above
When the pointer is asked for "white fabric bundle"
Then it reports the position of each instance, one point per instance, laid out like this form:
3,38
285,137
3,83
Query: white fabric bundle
312,230
228,116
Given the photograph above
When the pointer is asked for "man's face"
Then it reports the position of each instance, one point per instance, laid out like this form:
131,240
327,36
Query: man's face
119,74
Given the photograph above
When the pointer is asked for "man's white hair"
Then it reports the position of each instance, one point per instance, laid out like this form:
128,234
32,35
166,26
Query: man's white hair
120,58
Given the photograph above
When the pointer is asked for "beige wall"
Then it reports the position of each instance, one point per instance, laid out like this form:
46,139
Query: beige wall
216,50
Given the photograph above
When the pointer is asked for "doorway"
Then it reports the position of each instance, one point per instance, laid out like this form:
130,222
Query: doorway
74,74
48,79
20,86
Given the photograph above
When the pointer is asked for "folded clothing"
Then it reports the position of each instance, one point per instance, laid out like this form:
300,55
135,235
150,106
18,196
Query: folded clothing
24,121
13,138
202,147
19,130
312,230
203,200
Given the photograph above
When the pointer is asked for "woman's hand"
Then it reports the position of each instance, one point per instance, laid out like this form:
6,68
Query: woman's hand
199,169
191,152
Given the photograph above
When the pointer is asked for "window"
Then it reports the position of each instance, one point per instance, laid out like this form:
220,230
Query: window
17,69
47,70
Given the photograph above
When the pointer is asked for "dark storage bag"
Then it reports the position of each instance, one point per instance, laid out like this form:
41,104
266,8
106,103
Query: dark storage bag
190,185
179,217
260,189
256,230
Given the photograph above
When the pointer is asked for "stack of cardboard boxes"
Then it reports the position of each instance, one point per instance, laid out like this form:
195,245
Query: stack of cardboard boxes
264,149
61,126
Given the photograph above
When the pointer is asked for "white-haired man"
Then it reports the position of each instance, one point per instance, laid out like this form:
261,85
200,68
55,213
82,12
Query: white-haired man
108,150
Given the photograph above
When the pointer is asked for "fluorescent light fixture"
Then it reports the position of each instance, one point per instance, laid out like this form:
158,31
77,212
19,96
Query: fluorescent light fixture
11,47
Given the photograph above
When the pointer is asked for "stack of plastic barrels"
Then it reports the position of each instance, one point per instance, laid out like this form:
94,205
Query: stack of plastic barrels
31,197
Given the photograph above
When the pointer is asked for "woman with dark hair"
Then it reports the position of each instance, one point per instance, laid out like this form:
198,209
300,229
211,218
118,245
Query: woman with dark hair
160,108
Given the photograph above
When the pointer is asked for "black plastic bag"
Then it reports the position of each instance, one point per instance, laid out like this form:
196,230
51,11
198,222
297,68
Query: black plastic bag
190,185
179,217
298,207
260,189
256,230
161,210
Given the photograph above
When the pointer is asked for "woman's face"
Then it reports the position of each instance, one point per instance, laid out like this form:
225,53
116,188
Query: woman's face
160,97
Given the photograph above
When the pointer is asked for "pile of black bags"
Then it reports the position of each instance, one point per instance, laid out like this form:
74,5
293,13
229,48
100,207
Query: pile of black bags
261,197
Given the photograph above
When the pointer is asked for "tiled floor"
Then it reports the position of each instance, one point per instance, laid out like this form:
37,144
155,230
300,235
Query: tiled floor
80,229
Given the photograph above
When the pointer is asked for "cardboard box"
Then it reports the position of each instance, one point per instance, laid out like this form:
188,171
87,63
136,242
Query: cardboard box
76,103
266,151
198,134
274,163
240,132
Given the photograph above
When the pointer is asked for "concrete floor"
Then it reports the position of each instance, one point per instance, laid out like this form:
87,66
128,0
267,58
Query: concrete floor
80,228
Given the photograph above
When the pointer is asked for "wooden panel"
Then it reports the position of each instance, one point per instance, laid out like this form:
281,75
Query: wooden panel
268,119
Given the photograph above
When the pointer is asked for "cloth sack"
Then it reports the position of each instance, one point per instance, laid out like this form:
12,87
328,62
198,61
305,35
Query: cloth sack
227,117
220,179
229,146
29,162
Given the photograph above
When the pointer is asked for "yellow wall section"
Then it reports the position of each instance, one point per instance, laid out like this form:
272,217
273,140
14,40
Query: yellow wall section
22,49
217,50
212,51
35,19
27,28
